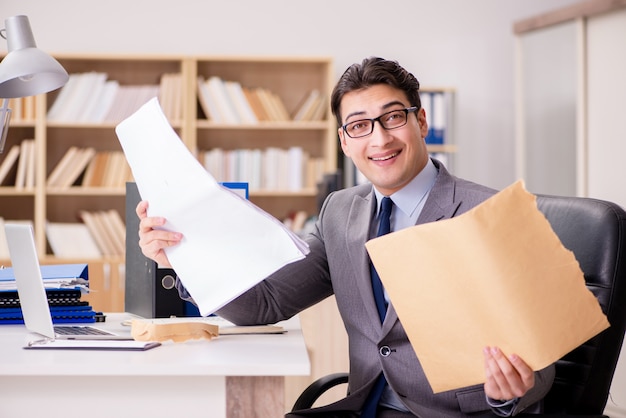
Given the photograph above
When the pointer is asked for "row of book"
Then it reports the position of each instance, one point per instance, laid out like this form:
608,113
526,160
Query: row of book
78,166
270,169
22,109
64,294
100,234
18,165
90,168
92,98
227,101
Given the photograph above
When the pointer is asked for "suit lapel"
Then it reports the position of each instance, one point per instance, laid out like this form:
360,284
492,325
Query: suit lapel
357,234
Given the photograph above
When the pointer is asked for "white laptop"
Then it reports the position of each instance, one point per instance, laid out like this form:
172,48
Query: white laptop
32,294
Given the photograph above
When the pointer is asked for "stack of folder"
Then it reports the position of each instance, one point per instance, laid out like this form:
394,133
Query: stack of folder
64,283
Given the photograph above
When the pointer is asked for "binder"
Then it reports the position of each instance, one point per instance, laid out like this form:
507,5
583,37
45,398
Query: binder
60,315
149,289
64,283
75,275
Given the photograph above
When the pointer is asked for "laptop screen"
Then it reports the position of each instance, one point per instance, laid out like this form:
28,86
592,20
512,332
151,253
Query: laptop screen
30,287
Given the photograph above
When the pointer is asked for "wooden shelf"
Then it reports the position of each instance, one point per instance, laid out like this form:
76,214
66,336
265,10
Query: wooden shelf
290,78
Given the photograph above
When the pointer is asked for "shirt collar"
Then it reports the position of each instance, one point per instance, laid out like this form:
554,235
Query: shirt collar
409,197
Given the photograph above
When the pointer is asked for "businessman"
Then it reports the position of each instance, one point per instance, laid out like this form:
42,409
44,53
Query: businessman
381,127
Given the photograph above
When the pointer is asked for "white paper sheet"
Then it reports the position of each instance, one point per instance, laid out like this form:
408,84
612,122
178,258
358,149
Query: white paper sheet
229,244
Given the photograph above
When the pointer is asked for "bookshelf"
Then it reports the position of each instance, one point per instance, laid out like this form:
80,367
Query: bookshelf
292,80
60,121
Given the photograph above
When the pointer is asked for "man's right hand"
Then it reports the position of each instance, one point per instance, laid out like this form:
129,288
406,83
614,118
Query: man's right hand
152,241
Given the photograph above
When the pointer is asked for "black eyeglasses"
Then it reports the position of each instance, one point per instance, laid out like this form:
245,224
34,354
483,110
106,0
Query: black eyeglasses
390,120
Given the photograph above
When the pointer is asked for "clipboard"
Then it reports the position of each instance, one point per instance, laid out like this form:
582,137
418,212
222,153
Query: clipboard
119,345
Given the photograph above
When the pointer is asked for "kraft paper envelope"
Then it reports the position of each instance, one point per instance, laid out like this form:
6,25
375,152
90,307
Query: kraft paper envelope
495,276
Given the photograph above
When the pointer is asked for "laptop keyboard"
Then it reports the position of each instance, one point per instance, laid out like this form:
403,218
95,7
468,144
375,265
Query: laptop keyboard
79,330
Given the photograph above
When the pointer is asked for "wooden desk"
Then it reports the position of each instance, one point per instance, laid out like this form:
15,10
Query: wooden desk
231,376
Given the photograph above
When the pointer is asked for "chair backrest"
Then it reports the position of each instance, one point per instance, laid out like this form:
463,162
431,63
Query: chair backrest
595,231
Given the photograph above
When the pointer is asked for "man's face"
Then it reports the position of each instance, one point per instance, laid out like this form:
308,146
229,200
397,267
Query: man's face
390,159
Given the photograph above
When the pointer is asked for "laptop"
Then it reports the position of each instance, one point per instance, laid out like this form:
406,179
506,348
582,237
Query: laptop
32,293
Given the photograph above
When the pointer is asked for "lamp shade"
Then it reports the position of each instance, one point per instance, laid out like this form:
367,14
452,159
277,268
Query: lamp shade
26,70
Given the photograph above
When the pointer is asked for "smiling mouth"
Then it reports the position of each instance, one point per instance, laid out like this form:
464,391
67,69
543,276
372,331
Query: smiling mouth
385,158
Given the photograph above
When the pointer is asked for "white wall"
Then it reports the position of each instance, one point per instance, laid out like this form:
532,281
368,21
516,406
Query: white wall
465,44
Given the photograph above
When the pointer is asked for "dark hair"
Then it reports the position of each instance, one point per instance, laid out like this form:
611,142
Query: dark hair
372,71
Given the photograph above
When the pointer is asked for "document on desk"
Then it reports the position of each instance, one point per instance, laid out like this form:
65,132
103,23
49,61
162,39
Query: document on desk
497,275
117,345
228,244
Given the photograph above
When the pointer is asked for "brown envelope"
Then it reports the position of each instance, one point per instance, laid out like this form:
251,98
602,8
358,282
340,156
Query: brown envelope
495,276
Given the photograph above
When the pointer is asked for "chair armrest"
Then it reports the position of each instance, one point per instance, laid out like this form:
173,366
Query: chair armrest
316,389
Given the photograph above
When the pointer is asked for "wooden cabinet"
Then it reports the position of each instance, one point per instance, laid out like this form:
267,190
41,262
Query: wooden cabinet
570,131
570,89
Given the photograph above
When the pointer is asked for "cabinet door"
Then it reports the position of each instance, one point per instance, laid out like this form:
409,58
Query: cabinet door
606,86
548,100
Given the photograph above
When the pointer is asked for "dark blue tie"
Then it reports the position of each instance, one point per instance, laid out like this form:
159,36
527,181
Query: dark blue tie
384,227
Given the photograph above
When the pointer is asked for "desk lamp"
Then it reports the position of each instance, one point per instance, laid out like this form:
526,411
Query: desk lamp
26,70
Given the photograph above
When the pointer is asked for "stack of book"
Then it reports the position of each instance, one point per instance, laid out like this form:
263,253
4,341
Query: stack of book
91,98
22,109
228,102
271,169
102,234
90,168
64,284
18,165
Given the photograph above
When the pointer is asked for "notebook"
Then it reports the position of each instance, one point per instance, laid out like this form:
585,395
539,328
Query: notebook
32,294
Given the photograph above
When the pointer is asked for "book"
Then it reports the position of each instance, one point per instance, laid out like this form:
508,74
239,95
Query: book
63,98
71,240
107,95
113,226
304,109
84,156
56,176
108,230
241,104
207,102
226,108
92,101
17,109
9,162
22,164
170,95
30,165
256,104
267,104
96,231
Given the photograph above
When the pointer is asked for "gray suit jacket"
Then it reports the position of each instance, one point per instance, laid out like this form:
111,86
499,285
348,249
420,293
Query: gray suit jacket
338,263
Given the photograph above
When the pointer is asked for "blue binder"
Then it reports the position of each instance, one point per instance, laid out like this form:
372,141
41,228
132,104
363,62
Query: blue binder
73,275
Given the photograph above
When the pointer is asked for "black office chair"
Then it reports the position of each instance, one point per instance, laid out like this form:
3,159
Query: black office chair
595,231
